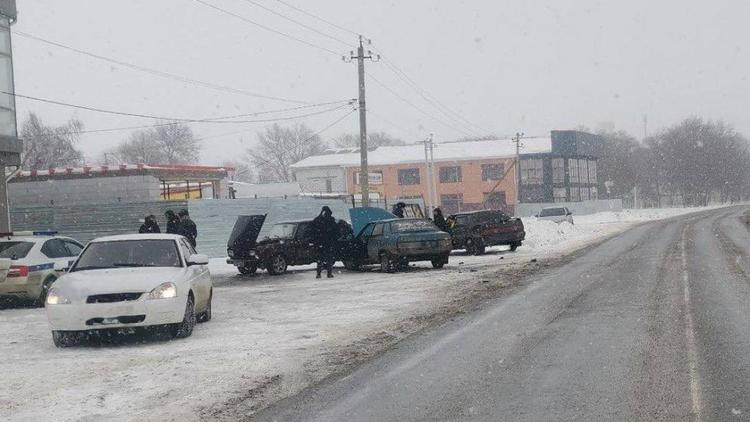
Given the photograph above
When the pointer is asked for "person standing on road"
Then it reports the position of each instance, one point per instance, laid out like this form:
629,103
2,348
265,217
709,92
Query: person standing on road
439,220
149,225
398,209
187,227
173,222
325,233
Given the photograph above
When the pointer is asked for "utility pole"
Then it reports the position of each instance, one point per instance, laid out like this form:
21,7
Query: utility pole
364,172
517,140
429,159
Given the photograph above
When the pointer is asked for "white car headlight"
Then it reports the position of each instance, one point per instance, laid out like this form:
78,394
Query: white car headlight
54,297
166,290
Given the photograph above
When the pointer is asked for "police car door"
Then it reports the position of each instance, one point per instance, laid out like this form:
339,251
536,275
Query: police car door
55,250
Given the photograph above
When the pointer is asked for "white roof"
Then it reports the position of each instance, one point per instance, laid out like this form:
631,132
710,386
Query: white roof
140,236
453,151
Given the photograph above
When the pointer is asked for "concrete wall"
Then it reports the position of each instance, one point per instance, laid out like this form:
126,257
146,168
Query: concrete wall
93,190
578,208
313,180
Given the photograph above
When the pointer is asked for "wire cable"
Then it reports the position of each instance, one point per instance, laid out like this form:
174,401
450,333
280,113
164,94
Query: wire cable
302,24
149,116
267,28
314,16
156,72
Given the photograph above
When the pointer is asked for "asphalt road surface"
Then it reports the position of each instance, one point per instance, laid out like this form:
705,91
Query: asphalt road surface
653,324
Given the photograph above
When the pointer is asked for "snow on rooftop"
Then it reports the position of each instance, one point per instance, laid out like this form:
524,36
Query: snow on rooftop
454,151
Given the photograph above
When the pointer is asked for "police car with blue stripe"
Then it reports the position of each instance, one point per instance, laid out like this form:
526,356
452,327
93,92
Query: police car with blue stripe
34,257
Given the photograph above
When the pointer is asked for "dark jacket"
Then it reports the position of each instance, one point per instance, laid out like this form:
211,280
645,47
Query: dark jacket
188,229
149,227
440,222
325,231
398,211
173,225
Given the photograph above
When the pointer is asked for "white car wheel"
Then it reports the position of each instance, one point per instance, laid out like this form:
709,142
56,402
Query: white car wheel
185,328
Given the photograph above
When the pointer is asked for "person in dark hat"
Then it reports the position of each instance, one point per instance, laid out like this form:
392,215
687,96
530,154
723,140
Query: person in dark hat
149,225
439,219
187,227
398,209
325,233
173,222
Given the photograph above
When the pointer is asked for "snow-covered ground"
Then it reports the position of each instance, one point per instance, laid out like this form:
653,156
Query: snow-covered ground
270,336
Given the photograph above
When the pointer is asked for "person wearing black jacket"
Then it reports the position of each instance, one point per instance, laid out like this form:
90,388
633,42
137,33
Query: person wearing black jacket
398,209
149,225
325,233
173,222
439,220
187,227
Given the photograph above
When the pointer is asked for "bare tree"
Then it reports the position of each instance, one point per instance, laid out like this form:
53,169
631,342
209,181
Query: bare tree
242,171
374,140
280,147
169,143
50,146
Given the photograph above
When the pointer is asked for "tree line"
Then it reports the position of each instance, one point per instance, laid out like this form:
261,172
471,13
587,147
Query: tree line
692,162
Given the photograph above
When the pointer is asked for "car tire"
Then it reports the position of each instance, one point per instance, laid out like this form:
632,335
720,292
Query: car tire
185,328
42,299
276,265
205,316
514,246
247,270
477,246
439,262
64,339
387,263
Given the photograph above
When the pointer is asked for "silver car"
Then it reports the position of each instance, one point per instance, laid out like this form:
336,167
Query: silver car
556,214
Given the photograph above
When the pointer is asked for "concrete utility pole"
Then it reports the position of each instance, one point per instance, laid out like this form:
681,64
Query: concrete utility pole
432,200
517,140
364,180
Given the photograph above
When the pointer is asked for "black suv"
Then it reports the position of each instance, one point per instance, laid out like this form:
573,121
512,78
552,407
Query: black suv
476,230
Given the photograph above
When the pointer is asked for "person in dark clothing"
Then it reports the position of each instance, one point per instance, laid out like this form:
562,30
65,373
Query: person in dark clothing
439,220
149,225
325,234
187,227
173,222
398,209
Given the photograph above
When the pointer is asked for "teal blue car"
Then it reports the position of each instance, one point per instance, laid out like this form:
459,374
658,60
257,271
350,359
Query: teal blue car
396,242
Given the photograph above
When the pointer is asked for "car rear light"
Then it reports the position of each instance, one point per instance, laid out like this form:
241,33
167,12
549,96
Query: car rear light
18,271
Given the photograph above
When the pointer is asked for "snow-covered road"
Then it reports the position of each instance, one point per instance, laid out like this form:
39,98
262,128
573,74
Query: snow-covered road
270,336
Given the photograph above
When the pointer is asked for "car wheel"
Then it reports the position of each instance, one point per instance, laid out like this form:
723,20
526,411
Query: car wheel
351,265
66,338
205,316
514,246
185,328
42,299
276,265
477,246
247,270
439,262
387,263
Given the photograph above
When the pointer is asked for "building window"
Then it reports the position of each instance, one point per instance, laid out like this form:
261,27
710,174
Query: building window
375,177
560,194
592,172
573,170
492,172
531,172
408,176
495,201
450,174
558,170
452,203
583,171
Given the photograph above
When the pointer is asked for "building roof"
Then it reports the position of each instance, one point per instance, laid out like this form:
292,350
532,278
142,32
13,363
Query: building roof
453,151
167,172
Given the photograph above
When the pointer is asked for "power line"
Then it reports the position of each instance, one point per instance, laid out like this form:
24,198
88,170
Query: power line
267,28
157,72
314,16
414,106
149,116
302,24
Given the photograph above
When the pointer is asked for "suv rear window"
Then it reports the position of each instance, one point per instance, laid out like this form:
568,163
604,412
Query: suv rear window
552,212
15,250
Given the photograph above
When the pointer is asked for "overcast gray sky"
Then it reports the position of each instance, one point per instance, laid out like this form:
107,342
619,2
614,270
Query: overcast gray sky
503,65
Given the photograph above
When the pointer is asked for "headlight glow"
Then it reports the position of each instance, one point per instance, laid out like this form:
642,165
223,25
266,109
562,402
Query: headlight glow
55,298
166,290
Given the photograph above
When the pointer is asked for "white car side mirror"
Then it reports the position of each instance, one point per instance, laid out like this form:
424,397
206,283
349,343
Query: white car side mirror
197,259
61,266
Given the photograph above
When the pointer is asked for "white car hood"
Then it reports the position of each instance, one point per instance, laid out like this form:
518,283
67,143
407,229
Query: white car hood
117,280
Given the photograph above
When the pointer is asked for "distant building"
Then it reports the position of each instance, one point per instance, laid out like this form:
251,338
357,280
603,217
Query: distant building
468,175
125,183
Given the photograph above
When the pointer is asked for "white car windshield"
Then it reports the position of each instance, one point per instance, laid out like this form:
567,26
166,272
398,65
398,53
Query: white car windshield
129,253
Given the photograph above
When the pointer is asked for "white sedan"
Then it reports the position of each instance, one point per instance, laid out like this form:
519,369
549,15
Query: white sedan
131,281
